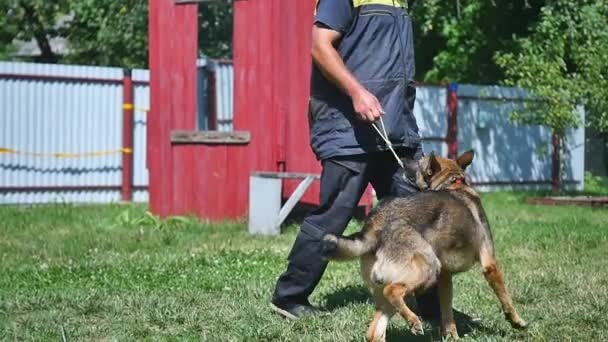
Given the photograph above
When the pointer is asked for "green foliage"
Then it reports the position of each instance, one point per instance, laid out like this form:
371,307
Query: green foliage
215,29
108,32
596,185
564,63
127,219
32,19
8,30
456,40
103,32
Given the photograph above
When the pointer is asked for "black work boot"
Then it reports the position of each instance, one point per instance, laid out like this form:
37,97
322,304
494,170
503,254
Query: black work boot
293,310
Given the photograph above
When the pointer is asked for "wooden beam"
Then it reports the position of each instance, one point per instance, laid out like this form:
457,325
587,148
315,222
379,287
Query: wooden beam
186,2
293,200
290,175
210,137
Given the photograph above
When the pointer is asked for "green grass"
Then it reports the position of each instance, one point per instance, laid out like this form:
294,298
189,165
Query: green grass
595,185
115,273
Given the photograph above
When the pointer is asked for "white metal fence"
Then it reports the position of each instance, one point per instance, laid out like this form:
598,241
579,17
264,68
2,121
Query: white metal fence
50,110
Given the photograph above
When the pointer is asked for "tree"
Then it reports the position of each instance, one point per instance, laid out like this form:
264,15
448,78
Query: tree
215,20
102,32
564,63
8,32
456,40
32,19
108,32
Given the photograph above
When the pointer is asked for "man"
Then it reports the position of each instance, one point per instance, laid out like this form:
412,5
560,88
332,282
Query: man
363,69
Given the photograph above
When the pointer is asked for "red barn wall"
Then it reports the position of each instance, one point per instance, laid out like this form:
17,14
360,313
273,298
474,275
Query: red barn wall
173,48
272,62
272,76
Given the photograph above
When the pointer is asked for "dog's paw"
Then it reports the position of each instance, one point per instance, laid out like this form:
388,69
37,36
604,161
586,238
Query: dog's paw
329,245
518,323
452,334
416,327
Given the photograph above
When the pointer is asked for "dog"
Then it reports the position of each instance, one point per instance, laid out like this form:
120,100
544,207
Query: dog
409,244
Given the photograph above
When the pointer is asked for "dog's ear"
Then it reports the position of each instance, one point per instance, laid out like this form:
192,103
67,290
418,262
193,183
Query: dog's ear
434,165
415,171
465,159
410,167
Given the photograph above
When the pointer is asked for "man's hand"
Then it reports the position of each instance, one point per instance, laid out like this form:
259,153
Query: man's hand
324,41
367,107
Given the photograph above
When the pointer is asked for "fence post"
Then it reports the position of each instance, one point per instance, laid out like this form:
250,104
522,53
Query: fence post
211,96
556,176
126,189
452,134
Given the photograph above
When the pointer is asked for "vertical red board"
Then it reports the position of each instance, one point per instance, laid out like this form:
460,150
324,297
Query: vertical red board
258,55
173,49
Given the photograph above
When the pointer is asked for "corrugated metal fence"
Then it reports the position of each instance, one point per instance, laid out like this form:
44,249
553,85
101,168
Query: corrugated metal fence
508,156
61,133
61,129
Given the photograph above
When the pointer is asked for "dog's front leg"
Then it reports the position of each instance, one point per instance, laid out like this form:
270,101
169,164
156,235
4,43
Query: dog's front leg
495,278
448,326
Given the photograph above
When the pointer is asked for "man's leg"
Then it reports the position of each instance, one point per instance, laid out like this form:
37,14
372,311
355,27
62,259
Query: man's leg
342,184
387,179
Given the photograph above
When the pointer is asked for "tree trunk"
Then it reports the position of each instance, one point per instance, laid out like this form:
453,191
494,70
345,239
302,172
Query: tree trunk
46,52
556,178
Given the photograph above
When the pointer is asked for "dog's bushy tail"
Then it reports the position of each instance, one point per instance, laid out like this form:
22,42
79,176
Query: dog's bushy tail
366,241
347,248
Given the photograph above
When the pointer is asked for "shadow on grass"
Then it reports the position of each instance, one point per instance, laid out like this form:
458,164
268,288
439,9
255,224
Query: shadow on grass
464,323
346,296
359,294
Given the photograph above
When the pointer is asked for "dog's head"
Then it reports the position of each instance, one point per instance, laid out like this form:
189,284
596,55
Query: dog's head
438,173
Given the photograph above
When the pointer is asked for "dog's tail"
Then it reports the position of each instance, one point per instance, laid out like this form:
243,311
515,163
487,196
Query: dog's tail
350,247
347,248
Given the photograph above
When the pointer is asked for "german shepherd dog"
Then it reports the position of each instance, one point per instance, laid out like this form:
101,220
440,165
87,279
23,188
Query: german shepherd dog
409,244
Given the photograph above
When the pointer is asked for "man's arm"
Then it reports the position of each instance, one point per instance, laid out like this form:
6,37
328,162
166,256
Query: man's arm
326,57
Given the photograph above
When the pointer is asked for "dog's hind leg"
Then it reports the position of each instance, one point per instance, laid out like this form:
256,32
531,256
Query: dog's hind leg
495,278
395,294
448,326
384,312
377,329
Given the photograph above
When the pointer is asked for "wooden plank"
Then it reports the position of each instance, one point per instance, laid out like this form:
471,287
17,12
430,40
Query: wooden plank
283,175
186,2
210,137
293,200
173,33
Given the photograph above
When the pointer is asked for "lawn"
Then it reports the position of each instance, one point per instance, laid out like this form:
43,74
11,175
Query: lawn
114,272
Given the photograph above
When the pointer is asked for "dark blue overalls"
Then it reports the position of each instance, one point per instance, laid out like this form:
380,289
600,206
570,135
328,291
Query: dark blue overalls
377,47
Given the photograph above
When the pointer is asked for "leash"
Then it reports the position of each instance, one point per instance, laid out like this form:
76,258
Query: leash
388,142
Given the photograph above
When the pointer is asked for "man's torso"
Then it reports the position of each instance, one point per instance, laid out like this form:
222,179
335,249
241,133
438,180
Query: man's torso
377,47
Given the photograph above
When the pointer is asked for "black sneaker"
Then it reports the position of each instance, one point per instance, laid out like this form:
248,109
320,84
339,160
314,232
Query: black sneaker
293,311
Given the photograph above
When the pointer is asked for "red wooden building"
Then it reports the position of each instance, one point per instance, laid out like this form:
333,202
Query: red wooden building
190,172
